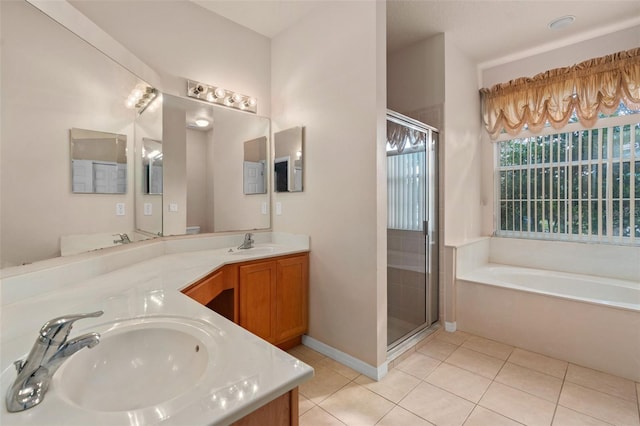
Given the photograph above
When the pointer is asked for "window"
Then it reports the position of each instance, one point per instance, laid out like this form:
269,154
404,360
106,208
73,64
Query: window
577,185
406,180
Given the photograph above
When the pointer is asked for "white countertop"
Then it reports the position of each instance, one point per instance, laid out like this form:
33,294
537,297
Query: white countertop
145,282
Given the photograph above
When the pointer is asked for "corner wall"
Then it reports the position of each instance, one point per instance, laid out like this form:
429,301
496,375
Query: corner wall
331,79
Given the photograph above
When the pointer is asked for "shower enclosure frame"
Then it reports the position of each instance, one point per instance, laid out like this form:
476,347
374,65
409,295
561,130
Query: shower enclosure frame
430,226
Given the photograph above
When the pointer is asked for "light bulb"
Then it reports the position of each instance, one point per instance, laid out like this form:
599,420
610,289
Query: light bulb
219,93
202,122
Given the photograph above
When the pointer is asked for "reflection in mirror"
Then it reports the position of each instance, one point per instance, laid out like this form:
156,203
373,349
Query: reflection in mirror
98,162
288,162
149,169
203,168
255,166
52,81
151,166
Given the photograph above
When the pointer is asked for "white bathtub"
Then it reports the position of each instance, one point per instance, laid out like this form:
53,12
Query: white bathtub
588,320
586,288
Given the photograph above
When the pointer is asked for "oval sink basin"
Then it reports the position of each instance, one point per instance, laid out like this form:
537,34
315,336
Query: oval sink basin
255,251
134,367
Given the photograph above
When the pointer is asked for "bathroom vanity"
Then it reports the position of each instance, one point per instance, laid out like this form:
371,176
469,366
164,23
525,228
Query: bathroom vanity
220,374
268,297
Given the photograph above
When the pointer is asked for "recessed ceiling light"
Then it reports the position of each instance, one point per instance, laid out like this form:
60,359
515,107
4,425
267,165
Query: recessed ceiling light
202,122
561,22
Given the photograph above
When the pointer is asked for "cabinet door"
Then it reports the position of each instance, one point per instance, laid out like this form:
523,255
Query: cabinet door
291,298
257,291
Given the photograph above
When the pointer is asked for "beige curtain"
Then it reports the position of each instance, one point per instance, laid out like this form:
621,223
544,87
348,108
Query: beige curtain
590,87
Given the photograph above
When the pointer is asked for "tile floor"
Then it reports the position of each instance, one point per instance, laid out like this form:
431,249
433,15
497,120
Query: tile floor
462,379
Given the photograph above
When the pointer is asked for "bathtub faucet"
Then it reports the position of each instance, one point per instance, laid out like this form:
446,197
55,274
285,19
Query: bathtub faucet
49,351
124,239
247,243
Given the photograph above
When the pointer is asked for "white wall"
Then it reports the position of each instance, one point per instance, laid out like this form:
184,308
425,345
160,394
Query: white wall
416,76
182,39
462,161
174,167
328,75
53,81
197,197
562,56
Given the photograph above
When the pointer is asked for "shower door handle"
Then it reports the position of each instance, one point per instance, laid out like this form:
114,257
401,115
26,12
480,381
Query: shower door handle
425,227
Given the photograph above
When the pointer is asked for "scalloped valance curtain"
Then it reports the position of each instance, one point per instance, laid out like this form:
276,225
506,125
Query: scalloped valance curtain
590,87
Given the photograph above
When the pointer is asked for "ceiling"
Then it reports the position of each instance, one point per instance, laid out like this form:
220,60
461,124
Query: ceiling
485,30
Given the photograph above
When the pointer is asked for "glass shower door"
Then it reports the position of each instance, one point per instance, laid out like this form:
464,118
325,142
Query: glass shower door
412,291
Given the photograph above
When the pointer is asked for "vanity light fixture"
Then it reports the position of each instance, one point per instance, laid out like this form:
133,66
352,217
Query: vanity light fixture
140,97
221,96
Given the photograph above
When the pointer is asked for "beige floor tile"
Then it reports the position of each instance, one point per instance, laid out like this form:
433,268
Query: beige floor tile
401,417
436,348
324,383
307,355
318,417
602,382
541,363
356,405
338,368
437,406
488,347
567,417
459,382
304,404
480,416
530,381
457,337
518,405
394,386
475,362
418,365
600,405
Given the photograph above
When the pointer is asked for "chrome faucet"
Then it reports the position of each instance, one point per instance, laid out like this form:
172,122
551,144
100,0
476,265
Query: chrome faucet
247,243
49,351
124,239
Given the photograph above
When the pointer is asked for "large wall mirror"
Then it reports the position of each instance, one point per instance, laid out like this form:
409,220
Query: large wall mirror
53,81
204,149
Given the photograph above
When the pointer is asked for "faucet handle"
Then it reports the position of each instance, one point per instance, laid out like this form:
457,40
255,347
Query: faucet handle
57,329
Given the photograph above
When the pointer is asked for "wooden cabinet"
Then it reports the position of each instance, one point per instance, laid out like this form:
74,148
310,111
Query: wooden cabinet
257,290
218,292
291,298
274,299
282,411
268,297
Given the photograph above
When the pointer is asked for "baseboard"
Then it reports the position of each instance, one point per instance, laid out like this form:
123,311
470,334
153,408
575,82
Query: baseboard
450,326
375,373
